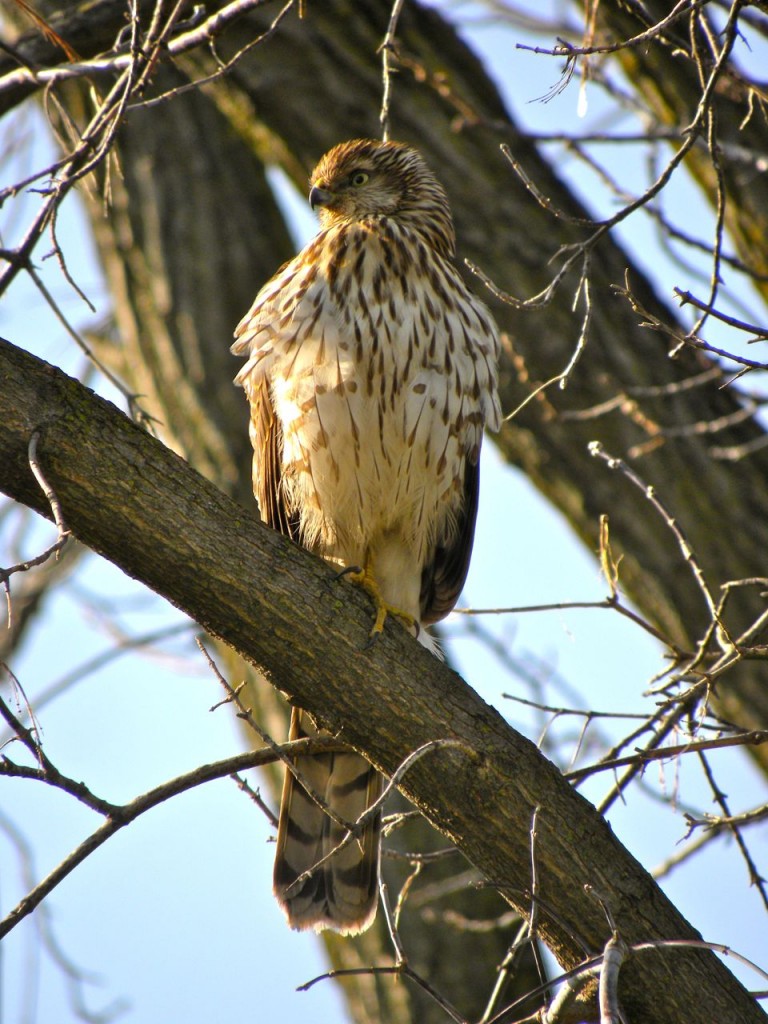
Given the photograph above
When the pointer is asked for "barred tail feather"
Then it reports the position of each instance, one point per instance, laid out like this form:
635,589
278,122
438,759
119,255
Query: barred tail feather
341,892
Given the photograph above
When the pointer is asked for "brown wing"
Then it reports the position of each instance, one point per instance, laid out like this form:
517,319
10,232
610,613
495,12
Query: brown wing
267,462
443,577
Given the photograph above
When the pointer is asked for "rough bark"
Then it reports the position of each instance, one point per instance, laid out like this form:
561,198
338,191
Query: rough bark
128,497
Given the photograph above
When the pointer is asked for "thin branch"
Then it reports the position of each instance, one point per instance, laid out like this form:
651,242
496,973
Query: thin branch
58,518
686,297
596,450
614,955
254,794
121,815
755,878
505,969
682,337
533,920
388,50
244,713
400,958
399,970
654,33
580,712
224,66
199,35
716,822
612,602
748,739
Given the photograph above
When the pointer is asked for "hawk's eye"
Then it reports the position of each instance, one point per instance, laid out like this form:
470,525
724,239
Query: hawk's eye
359,178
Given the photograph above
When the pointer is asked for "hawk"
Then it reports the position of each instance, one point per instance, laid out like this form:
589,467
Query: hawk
371,374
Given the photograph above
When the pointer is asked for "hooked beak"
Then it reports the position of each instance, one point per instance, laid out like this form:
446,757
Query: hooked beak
319,196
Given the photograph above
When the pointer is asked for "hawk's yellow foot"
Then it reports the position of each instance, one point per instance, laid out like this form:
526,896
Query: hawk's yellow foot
366,579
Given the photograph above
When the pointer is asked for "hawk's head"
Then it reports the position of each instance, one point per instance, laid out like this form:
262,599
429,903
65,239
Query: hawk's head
366,178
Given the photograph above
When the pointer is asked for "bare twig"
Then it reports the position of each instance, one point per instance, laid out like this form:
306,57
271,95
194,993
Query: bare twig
596,450
533,920
755,877
398,970
614,954
198,35
755,738
394,934
120,815
682,337
717,822
58,518
224,66
388,50
244,713
655,32
612,602
245,787
521,939
759,333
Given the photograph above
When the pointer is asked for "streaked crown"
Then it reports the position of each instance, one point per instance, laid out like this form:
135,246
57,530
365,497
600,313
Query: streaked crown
365,178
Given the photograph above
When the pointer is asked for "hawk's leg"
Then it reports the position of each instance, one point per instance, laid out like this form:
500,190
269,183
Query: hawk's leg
366,579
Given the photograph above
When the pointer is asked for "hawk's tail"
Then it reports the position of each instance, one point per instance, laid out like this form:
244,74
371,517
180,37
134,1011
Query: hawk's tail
339,889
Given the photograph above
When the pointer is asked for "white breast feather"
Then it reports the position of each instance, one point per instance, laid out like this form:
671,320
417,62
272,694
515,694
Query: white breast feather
379,411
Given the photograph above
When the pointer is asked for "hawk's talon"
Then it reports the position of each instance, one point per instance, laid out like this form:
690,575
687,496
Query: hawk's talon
365,578
348,570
